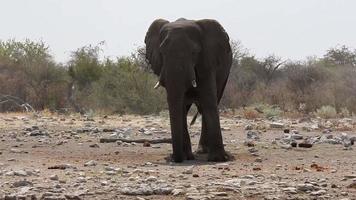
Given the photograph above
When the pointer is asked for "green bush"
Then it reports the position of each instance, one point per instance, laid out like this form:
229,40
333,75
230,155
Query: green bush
126,88
268,110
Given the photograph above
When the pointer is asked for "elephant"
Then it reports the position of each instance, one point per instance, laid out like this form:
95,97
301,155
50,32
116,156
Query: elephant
192,59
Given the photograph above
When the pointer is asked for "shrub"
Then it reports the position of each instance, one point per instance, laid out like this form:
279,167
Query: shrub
272,111
344,112
250,113
29,72
326,112
126,88
269,110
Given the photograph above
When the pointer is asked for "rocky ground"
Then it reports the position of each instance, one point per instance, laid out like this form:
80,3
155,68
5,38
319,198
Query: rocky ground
57,157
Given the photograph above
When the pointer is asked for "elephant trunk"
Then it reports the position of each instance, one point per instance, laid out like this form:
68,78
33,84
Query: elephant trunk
176,107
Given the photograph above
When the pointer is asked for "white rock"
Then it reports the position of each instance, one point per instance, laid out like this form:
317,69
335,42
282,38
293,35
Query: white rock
188,170
177,192
21,173
54,177
276,125
151,179
90,163
318,193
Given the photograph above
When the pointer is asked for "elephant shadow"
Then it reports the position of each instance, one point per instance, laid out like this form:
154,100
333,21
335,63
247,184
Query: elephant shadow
200,159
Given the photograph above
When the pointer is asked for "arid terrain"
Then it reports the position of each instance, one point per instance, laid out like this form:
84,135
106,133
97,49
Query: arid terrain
53,157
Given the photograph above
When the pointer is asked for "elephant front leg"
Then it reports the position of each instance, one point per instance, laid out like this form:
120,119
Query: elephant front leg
212,137
216,151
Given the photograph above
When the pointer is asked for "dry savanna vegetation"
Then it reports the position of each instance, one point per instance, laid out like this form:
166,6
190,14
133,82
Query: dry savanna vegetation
31,79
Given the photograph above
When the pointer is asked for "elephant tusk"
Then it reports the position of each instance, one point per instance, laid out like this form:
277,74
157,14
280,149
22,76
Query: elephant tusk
194,83
157,85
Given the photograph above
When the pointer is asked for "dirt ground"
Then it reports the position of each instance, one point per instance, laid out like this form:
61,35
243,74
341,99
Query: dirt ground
60,157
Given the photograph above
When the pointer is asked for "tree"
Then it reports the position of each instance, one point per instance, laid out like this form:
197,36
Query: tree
342,55
85,66
36,71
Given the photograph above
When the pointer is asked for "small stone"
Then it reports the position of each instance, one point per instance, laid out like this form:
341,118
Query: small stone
94,146
297,136
256,169
22,183
13,150
253,135
305,187
151,179
248,127
188,170
352,185
318,193
285,146
72,197
252,150
290,190
54,177
10,197
276,125
81,180
176,192
219,194
305,145
90,163
21,173
350,176
146,144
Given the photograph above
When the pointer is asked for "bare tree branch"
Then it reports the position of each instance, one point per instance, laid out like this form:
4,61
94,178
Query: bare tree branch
17,101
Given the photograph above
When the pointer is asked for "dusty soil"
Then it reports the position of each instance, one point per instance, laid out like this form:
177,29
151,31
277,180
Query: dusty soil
60,157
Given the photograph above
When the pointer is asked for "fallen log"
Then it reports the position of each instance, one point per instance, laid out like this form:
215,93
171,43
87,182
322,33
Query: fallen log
151,141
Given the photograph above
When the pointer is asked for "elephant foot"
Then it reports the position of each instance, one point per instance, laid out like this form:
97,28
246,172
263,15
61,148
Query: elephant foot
219,156
202,150
189,156
176,158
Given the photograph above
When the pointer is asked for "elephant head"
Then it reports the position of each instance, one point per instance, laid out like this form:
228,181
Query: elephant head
185,54
180,45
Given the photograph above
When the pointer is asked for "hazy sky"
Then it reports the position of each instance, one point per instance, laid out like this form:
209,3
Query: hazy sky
289,28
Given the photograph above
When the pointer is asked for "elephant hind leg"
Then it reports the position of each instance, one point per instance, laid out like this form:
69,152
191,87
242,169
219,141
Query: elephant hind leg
203,141
187,146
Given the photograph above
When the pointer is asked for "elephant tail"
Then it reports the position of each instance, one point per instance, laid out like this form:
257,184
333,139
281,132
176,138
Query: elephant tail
194,118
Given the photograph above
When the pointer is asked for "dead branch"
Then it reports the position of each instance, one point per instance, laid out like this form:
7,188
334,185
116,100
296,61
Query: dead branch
151,141
17,101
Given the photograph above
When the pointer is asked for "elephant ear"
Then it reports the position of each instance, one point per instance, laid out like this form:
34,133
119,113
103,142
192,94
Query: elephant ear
152,41
215,43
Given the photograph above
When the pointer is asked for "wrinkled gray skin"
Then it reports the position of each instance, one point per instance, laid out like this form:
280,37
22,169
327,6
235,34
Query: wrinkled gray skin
193,61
